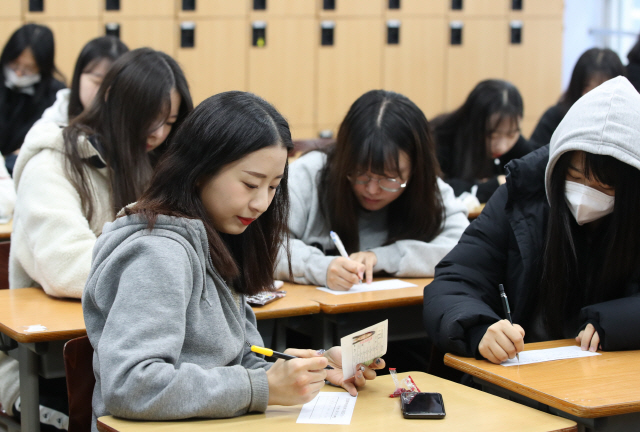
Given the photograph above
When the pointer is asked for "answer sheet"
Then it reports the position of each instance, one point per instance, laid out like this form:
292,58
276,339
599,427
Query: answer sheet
328,408
373,286
550,354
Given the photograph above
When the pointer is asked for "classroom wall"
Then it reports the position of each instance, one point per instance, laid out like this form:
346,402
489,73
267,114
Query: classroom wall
433,51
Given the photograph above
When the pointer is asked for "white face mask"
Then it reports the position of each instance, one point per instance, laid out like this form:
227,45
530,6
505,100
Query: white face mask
12,80
586,203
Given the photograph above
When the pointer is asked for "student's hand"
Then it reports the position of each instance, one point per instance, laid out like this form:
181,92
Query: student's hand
589,339
296,381
369,259
343,273
502,179
335,376
502,341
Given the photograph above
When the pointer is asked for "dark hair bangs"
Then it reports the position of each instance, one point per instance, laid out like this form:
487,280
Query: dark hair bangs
605,169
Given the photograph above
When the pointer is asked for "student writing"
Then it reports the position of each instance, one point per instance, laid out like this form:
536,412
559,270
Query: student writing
379,190
165,302
562,238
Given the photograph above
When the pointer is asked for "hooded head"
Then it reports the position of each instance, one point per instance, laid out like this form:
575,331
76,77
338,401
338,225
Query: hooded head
605,121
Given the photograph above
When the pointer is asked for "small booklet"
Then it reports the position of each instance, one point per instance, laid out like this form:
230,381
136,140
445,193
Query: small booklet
363,346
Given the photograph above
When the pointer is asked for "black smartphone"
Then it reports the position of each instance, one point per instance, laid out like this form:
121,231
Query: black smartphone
422,405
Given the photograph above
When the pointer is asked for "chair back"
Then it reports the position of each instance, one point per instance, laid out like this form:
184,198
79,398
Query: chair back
4,264
78,364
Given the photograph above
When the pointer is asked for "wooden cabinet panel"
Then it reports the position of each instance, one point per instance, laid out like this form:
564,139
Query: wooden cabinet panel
354,8
141,8
64,9
539,8
217,62
10,9
215,9
286,8
480,56
535,65
480,8
157,33
7,27
419,7
349,68
415,66
283,71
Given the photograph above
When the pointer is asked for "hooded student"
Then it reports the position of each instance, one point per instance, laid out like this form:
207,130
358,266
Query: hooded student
562,236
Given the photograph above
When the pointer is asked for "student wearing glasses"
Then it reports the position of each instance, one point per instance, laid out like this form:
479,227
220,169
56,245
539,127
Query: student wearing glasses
378,189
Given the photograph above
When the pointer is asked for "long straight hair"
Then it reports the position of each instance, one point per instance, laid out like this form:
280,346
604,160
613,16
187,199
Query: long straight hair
223,129
98,49
467,128
39,39
134,93
379,125
594,63
582,267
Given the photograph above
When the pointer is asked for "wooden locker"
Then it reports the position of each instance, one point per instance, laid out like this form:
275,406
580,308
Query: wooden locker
282,8
353,8
479,8
537,8
140,8
64,9
214,9
348,69
418,7
217,62
7,27
68,44
480,56
157,33
535,65
415,66
283,71
10,9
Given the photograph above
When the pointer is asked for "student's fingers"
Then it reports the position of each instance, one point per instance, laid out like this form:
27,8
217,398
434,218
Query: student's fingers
309,364
579,337
498,353
352,277
369,263
520,329
350,387
358,379
506,344
302,353
378,363
595,341
587,334
488,354
354,267
515,338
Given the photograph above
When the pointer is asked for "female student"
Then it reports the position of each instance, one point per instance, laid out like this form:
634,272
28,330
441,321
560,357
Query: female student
165,302
562,239
477,140
92,65
28,86
633,67
71,181
594,67
379,190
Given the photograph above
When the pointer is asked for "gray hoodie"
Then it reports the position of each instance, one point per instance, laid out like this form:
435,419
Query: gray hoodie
408,258
168,333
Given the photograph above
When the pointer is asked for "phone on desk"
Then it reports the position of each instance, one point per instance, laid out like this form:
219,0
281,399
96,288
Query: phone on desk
422,405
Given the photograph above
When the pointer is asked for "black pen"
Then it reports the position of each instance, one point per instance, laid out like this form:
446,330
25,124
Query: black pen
507,310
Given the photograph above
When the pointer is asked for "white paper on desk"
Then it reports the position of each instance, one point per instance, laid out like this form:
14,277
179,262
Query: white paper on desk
328,408
373,286
550,354
363,346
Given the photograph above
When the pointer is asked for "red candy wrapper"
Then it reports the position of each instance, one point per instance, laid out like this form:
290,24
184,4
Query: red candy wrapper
406,385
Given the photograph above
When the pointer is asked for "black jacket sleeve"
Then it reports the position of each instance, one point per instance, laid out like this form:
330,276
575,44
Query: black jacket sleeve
617,321
463,300
547,126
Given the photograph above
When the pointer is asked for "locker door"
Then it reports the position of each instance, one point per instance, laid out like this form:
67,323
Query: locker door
535,67
287,8
64,9
7,27
481,55
213,8
139,8
348,68
352,8
283,71
157,33
10,9
477,8
217,61
411,8
537,8
415,66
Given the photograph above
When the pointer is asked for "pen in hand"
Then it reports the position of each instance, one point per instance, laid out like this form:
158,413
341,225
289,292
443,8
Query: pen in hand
271,353
340,246
507,310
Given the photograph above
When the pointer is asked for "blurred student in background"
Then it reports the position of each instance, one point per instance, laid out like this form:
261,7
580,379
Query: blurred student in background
477,140
594,67
28,85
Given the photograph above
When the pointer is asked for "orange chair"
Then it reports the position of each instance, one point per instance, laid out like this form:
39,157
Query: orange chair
78,365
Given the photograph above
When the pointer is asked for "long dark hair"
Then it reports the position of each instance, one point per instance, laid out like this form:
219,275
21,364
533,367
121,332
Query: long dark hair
222,129
634,54
377,127
581,267
135,91
592,63
467,128
96,50
39,39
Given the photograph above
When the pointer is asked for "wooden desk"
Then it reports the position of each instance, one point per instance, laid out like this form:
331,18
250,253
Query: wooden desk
297,302
467,409
5,230
587,388
38,352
